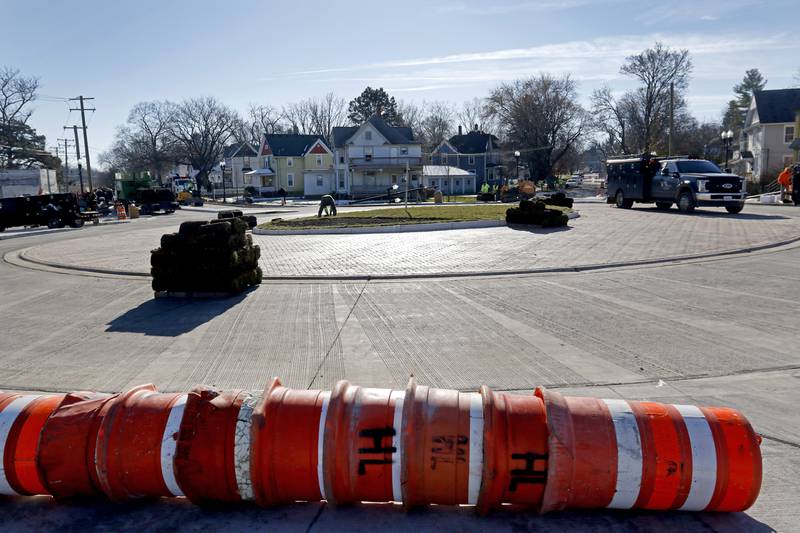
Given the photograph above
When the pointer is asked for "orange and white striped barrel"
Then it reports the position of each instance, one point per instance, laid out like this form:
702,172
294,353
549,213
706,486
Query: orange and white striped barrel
213,447
514,450
625,454
287,442
22,417
136,444
65,456
362,451
442,446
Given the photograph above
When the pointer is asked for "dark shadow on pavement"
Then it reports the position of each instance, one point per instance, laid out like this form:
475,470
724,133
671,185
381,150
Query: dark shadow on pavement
538,229
170,317
177,514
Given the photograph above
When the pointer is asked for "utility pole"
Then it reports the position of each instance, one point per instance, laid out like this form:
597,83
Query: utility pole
83,110
66,156
77,155
671,116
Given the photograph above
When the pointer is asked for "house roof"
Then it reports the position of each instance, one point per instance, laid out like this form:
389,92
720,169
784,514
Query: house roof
444,170
242,149
474,142
290,144
393,134
776,106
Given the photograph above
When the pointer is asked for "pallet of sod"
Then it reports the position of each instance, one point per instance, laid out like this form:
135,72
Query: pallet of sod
206,259
532,212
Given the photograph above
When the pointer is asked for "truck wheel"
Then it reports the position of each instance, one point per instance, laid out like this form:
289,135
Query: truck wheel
76,223
2,228
686,202
55,223
663,205
622,202
734,209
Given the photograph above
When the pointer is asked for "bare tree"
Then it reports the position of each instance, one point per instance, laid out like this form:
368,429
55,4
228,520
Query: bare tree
411,116
472,113
260,120
612,117
298,117
20,145
656,69
325,114
201,128
437,124
542,119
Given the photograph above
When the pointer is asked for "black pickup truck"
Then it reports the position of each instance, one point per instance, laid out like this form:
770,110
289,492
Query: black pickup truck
51,210
687,182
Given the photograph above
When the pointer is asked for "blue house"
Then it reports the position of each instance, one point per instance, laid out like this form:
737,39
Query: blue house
476,152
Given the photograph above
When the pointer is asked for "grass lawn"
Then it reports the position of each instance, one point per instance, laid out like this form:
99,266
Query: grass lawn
464,199
397,216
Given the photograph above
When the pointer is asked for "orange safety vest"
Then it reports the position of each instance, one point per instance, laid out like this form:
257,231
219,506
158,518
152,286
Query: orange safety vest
785,177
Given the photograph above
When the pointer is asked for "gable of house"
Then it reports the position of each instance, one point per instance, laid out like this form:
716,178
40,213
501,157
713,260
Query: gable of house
288,144
238,150
380,131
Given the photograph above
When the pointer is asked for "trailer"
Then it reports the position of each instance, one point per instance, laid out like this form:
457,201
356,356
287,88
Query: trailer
51,210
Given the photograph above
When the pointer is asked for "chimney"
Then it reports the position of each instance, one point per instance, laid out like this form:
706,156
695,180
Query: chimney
379,110
476,127
459,130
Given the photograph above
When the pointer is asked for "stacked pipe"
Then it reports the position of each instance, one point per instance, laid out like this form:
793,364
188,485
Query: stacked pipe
206,258
418,446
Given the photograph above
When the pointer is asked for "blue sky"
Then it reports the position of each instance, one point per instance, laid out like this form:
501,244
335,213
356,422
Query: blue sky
273,52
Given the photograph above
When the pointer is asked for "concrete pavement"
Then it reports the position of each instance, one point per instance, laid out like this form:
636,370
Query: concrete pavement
720,331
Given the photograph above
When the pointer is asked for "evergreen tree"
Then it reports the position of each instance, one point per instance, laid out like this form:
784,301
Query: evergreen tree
753,81
370,102
733,117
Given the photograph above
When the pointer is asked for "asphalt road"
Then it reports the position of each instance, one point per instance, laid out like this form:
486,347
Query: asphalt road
721,331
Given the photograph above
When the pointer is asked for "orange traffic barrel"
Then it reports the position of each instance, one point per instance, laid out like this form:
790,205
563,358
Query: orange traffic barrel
67,445
286,445
362,451
212,456
21,419
442,441
136,444
625,454
514,450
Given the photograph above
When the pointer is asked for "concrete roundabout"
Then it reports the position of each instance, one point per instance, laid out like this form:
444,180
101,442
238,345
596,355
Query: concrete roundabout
704,313
602,237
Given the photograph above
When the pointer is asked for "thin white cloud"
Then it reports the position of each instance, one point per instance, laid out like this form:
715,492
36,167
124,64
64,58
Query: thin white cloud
577,52
496,8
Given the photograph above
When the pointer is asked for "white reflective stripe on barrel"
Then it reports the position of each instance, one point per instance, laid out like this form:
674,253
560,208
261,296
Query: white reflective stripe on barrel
397,444
326,397
704,458
629,455
7,418
241,448
475,448
169,442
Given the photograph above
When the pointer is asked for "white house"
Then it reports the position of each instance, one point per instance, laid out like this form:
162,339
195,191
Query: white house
240,158
771,125
449,180
370,158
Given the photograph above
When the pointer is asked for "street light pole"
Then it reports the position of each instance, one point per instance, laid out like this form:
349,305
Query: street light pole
727,139
222,172
516,159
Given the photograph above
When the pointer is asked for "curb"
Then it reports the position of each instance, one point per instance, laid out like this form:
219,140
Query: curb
18,258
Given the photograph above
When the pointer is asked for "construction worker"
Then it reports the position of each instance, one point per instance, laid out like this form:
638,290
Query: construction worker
328,204
785,181
485,187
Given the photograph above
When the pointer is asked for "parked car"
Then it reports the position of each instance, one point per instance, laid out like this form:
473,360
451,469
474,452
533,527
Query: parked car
51,210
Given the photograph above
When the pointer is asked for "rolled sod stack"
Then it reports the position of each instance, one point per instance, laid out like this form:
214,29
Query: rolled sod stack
215,258
536,212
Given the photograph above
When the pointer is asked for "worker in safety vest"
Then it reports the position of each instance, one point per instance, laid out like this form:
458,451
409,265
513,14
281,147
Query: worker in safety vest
328,204
485,188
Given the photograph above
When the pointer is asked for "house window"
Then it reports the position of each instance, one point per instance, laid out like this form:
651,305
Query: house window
368,135
404,151
248,180
319,160
394,179
290,179
368,153
444,159
289,162
341,159
471,160
788,134
319,182
341,179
